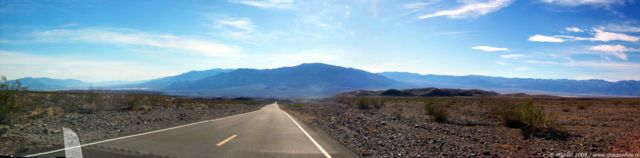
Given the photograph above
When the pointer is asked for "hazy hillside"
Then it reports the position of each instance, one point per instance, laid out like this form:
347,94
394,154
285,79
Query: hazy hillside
44,83
302,80
162,83
49,84
578,87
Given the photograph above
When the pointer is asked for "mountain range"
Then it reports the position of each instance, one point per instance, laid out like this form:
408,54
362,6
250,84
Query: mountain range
320,80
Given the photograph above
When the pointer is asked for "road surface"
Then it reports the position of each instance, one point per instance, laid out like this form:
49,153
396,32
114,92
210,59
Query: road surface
268,132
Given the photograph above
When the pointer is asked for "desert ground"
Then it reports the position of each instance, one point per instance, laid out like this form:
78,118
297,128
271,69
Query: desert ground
477,126
33,121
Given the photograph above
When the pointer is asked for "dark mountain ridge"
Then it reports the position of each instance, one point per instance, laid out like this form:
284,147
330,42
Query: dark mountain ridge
424,92
530,85
313,79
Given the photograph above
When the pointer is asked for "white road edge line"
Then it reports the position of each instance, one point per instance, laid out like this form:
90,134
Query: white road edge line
226,140
308,136
135,135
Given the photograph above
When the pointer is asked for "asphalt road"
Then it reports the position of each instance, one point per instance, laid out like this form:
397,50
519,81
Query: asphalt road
268,132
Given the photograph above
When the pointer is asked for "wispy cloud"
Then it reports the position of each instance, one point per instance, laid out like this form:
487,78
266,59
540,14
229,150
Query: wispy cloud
522,68
237,23
604,3
470,9
613,65
133,37
625,27
543,38
21,64
489,48
599,35
618,51
418,5
512,56
267,4
238,28
573,29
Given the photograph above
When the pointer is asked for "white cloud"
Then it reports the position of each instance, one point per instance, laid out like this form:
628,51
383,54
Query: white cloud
610,65
573,29
267,4
618,51
418,5
238,28
623,28
522,68
489,48
598,35
237,23
470,9
543,38
18,64
502,63
584,2
133,37
512,56
604,36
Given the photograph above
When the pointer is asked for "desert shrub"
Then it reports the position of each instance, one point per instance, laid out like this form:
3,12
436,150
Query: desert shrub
524,115
297,106
363,103
398,113
91,97
141,107
582,107
132,101
54,111
89,108
10,94
439,112
378,103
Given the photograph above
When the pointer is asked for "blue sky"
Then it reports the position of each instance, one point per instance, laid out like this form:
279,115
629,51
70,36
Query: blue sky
136,40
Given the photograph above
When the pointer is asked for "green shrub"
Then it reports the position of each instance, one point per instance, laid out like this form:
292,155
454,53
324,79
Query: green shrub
297,106
438,112
363,103
9,99
132,101
525,115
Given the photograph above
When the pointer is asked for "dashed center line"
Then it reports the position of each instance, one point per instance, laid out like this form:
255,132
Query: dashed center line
226,140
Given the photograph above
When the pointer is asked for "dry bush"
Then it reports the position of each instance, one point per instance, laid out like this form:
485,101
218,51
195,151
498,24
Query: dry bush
363,103
525,115
296,106
10,97
439,112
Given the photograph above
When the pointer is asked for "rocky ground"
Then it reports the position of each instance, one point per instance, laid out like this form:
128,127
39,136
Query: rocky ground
399,127
39,125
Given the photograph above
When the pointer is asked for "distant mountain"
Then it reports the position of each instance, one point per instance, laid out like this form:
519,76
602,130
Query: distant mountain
161,83
320,80
541,86
48,84
424,92
44,83
305,80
